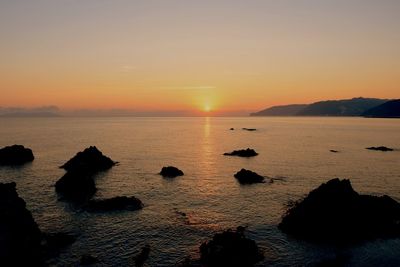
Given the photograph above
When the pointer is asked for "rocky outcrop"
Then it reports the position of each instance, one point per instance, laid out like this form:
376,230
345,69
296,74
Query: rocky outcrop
248,177
242,153
15,155
90,160
335,213
78,183
171,172
230,248
380,148
114,204
88,259
20,236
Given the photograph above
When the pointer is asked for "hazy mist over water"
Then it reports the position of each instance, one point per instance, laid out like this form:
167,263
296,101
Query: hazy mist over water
295,151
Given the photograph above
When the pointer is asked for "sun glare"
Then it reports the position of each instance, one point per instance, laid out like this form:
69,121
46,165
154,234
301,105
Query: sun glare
207,108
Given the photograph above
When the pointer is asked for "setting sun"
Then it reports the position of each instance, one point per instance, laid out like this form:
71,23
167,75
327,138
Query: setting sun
207,108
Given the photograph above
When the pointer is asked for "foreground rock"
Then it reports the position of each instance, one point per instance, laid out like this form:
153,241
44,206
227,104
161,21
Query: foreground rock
15,155
76,185
242,153
248,177
114,204
171,172
380,148
20,236
335,213
88,259
230,248
53,243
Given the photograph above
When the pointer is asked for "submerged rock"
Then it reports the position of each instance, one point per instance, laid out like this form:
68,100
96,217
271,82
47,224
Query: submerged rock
88,259
76,185
249,129
90,160
248,177
380,148
335,213
230,248
15,155
114,204
20,236
171,172
242,153
142,256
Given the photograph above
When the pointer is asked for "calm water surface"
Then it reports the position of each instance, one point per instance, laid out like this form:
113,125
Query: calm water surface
295,151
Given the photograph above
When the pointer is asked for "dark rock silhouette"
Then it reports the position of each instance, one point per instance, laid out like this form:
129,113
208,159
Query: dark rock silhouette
248,177
20,236
142,256
88,259
249,129
90,160
114,204
232,129
15,155
171,172
242,153
230,248
76,185
389,109
333,151
380,148
52,243
335,213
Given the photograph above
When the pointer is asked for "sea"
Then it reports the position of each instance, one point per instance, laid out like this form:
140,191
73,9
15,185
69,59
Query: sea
180,214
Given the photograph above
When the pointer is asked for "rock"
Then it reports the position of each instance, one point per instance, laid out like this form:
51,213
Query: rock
333,151
248,177
76,185
171,172
242,153
114,204
15,155
142,256
54,242
88,259
90,160
380,148
230,248
249,129
335,213
20,236
232,129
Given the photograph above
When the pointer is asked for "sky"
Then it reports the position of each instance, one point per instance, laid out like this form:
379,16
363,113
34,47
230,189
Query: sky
209,56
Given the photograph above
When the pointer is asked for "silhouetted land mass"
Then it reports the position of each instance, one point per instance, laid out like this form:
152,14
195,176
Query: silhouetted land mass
335,213
248,177
78,183
390,109
230,248
20,236
30,115
142,256
114,204
15,155
286,110
346,107
242,153
171,172
380,148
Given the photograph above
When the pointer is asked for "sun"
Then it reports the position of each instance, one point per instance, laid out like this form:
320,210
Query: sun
207,108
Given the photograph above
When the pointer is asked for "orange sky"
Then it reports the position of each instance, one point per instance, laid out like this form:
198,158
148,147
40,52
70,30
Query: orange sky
193,55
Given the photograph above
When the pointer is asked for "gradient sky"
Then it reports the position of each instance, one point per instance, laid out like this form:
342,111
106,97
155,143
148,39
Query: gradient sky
192,55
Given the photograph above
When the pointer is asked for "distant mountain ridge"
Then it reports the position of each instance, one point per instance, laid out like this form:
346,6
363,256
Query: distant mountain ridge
389,109
346,107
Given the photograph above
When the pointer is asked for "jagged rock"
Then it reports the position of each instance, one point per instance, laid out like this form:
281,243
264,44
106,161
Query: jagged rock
248,177
88,259
230,248
249,129
20,236
242,153
335,213
76,185
113,204
90,160
380,148
15,155
171,172
142,256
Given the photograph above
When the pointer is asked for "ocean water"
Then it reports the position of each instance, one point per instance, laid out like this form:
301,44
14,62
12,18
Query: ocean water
293,151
